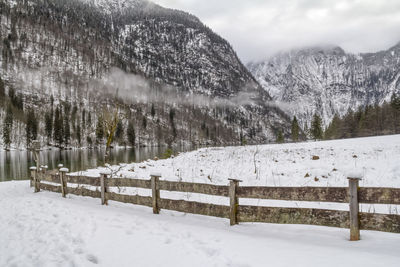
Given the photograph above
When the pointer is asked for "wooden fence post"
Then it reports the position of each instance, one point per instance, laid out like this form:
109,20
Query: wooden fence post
44,169
104,189
354,209
33,175
155,192
35,148
63,181
234,200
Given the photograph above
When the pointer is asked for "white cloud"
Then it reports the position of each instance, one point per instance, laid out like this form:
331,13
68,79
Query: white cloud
260,28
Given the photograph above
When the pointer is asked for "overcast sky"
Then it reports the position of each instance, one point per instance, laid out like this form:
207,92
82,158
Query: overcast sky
260,28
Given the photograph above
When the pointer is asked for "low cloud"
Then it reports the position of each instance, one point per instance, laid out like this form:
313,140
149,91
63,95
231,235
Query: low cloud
136,89
260,28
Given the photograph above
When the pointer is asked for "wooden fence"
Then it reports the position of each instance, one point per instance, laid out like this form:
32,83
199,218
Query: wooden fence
352,219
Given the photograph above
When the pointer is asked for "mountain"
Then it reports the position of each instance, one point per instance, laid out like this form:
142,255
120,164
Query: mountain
85,52
329,81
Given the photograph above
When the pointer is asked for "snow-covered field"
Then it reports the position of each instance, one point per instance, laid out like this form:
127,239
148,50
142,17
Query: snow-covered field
44,229
375,159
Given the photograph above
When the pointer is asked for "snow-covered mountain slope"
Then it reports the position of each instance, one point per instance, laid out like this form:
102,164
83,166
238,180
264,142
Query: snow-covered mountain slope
138,36
69,48
327,80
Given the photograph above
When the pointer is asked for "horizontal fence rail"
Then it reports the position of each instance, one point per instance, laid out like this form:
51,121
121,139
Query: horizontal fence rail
320,194
372,195
57,181
208,189
323,217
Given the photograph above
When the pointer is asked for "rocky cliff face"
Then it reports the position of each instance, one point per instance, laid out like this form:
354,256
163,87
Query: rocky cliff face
70,49
329,81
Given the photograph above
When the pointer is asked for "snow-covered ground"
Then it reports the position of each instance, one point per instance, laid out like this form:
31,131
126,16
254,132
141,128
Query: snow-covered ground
44,229
375,159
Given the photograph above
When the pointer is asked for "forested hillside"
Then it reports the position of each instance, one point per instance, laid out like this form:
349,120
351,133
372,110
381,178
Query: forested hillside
66,64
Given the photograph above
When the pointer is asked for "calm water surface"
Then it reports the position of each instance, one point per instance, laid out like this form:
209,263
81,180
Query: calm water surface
14,165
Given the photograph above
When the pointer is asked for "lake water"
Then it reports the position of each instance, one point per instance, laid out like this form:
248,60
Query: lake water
14,165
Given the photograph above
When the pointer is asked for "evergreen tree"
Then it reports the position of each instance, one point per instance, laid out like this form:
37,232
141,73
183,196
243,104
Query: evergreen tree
58,127
332,132
83,118
153,111
130,134
171,119
48,126
144,122
316,127
279,137
78,134
395,105
11,94
31,127
16,99
2,90
7,127
89,119
349,125
295,129
395,102
99,130
66,132
119,132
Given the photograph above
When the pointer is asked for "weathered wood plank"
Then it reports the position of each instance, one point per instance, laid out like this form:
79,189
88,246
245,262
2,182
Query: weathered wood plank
155,194
379,195
136,199
103,189
50,187
354,209
83,180
63,184
208,189
52,178
380,222
323,217
233,201
320,194
127,182
79,191
195,207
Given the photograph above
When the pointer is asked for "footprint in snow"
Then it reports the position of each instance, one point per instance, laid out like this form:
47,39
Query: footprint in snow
129,232
92,258
78,251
